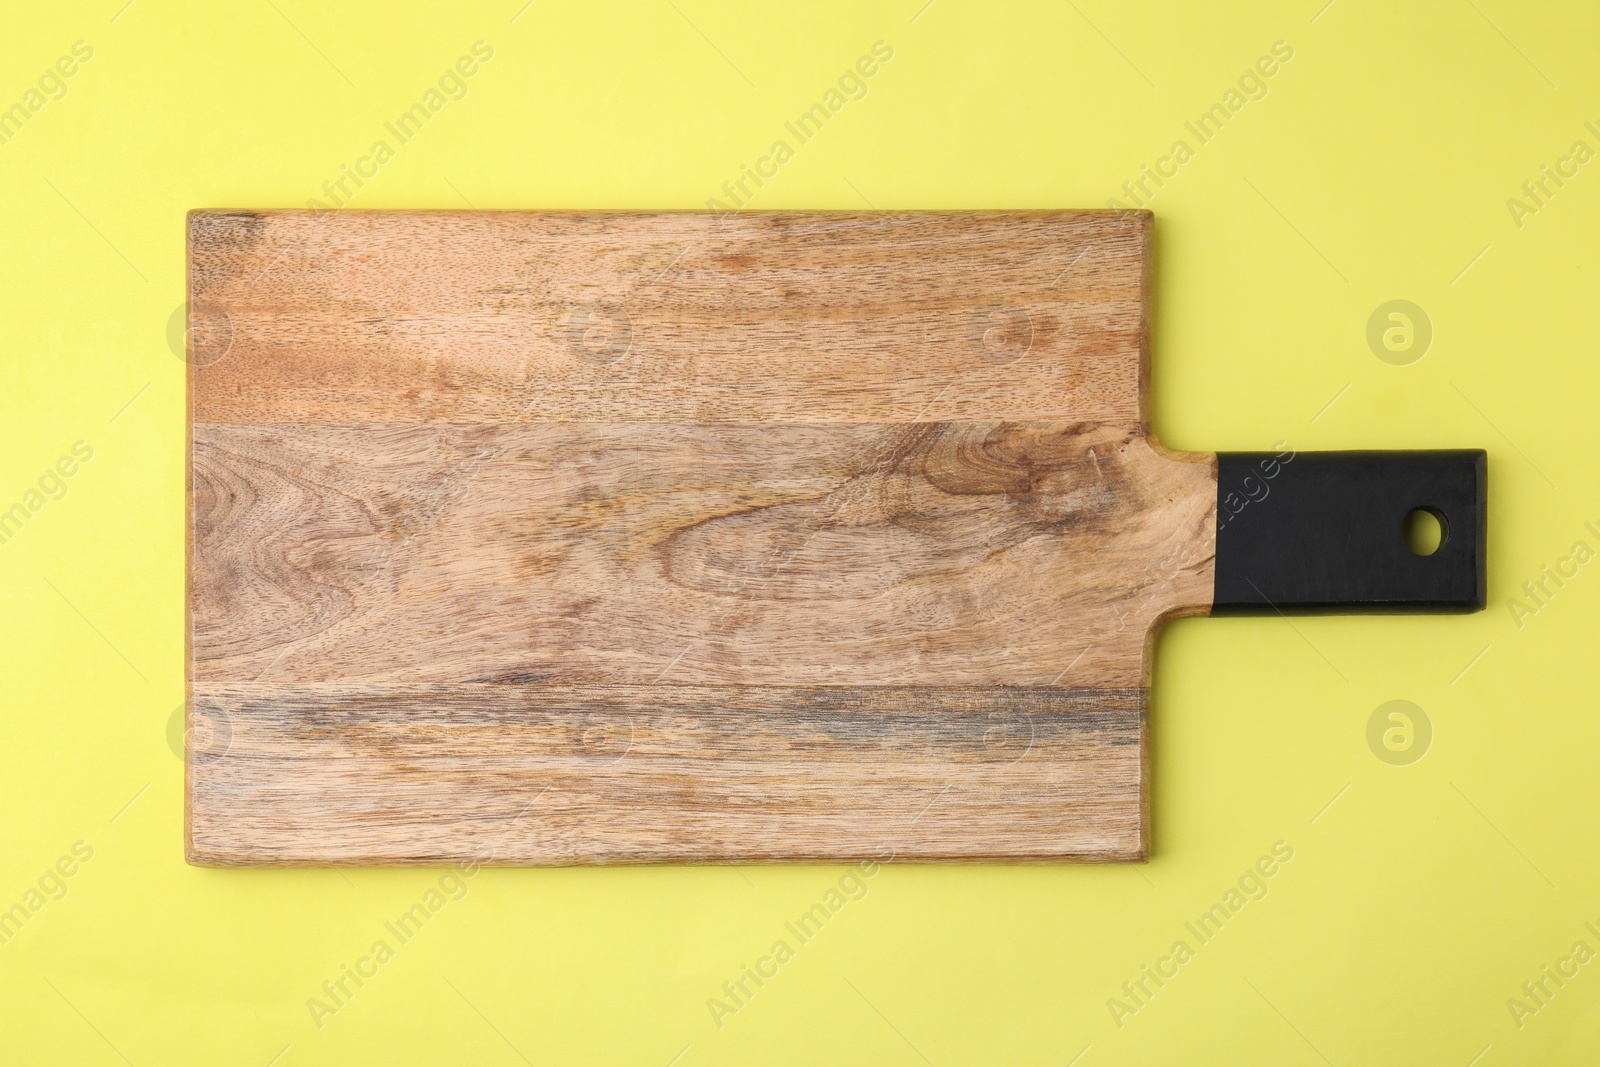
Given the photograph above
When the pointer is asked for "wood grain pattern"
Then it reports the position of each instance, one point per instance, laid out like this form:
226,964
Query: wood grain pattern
594,774
830,510
796,317
696,554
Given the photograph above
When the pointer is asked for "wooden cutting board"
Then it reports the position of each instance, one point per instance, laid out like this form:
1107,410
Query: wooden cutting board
613,538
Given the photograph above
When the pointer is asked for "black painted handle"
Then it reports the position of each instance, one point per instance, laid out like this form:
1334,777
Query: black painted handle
1322,532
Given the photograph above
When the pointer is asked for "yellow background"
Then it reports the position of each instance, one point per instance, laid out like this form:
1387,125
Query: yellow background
1377,168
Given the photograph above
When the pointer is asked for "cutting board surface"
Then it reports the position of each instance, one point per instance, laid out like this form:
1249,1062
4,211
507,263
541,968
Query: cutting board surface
575,538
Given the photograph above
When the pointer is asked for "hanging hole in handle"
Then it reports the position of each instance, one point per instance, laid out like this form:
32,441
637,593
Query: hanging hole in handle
1424,530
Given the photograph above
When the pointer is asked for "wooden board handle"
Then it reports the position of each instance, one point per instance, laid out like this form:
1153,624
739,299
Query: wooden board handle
1323,532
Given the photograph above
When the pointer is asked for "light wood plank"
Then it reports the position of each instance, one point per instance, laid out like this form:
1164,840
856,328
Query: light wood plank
529,775
829,554
791,317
